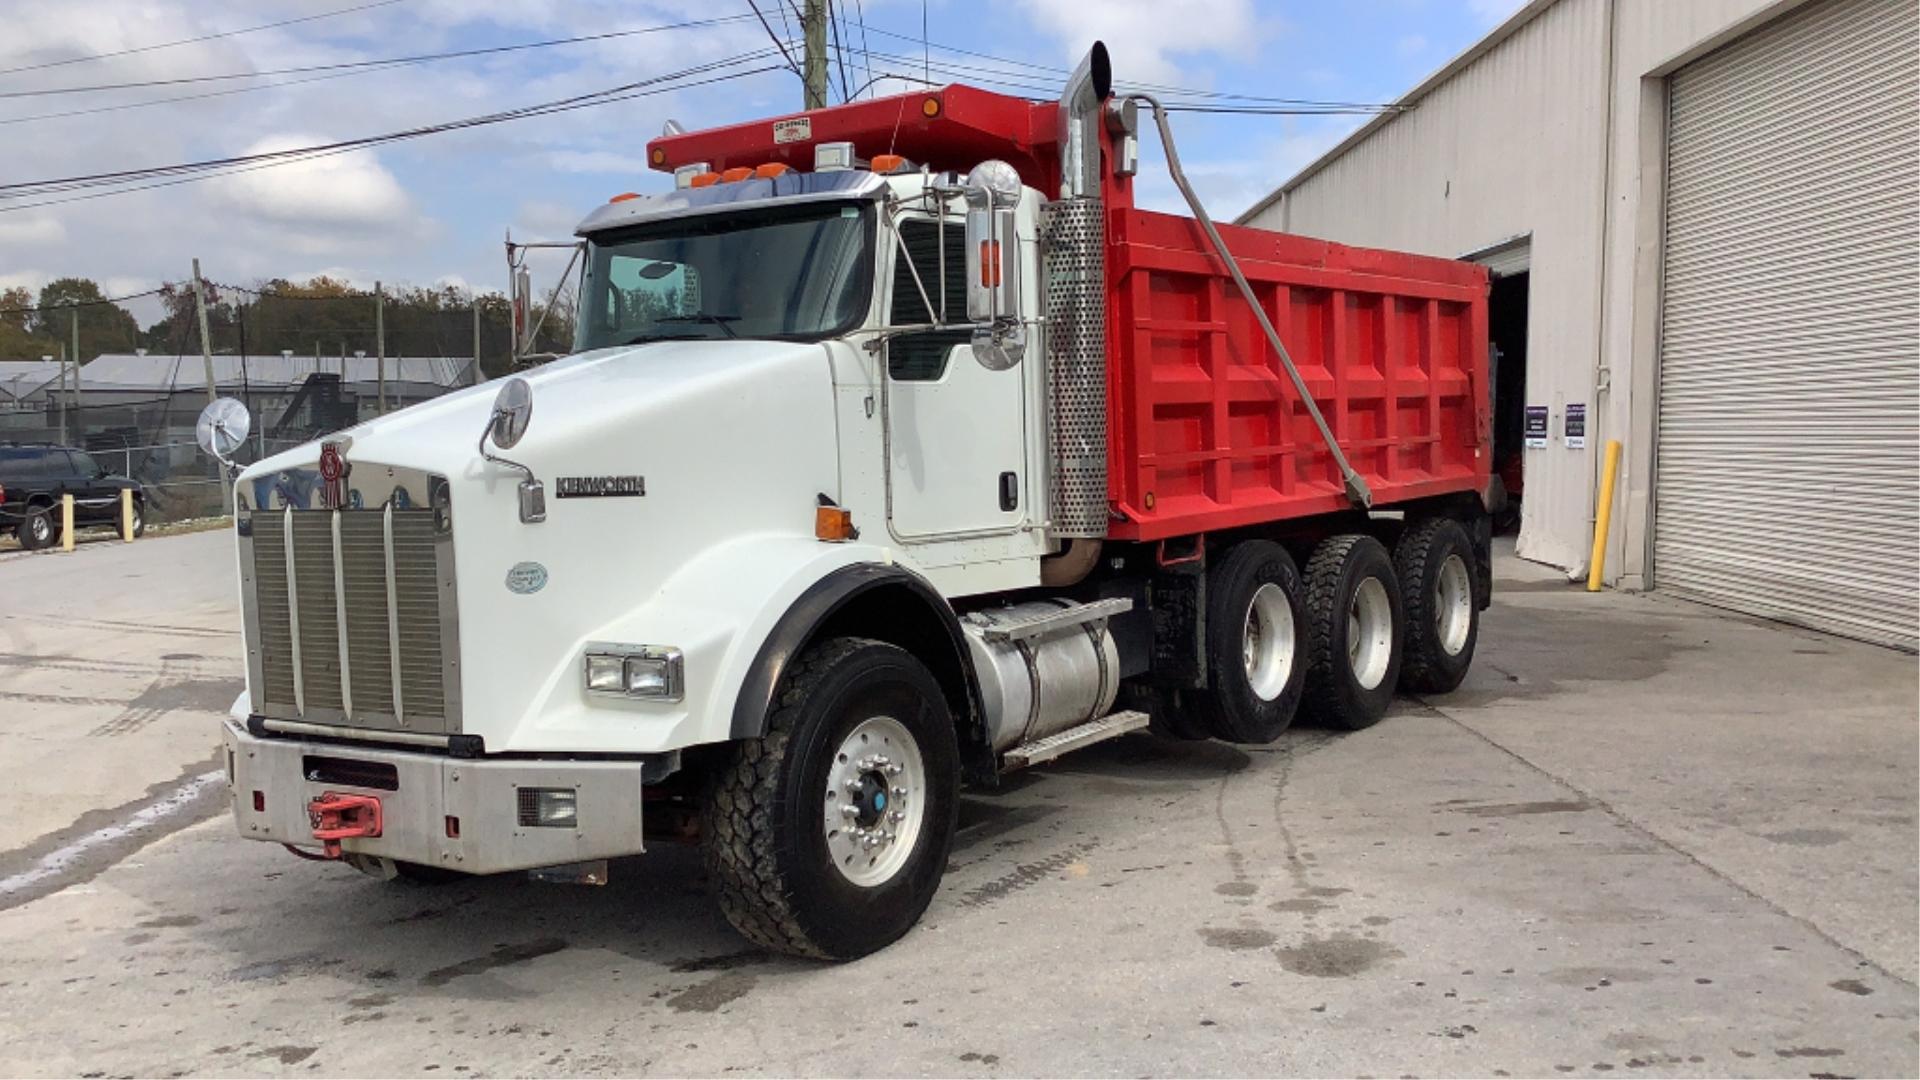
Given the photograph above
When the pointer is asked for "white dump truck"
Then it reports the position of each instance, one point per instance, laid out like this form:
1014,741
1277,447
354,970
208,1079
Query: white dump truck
898,450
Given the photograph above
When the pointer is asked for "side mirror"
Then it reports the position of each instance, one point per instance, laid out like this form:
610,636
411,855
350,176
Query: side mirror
222,429
993,265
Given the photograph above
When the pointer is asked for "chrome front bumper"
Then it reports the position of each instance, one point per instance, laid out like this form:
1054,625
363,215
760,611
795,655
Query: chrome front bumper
455,813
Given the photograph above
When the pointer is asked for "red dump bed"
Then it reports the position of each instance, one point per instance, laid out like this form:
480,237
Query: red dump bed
1205,430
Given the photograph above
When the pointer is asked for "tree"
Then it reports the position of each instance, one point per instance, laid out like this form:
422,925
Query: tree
16,342
104,327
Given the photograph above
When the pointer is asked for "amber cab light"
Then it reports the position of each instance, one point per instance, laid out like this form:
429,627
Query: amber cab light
834,523
772,169
887,163
624,196
740,172
705,179
930,107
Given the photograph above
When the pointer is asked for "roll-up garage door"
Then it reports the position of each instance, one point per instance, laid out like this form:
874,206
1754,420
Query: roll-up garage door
1787,475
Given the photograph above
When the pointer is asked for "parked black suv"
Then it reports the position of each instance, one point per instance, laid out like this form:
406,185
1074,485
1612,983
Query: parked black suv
32,479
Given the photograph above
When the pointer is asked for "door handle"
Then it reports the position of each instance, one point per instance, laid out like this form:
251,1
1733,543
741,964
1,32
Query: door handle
1009,491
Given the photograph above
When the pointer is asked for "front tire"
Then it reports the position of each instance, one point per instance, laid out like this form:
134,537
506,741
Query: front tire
1434,561
38,530
827,836
1256,654
1353,631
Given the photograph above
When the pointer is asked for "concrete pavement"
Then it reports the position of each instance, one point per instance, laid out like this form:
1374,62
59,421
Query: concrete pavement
1645,837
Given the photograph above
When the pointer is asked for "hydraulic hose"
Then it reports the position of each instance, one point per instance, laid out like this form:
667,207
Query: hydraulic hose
1357,489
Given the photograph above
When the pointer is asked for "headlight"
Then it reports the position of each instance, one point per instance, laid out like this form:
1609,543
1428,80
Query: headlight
647,672
512,411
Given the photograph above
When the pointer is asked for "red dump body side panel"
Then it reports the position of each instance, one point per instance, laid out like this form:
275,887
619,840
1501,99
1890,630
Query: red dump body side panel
1206,431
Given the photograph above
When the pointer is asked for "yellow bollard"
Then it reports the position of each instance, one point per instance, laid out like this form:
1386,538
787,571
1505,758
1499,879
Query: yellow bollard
126,514
66,523
1602,516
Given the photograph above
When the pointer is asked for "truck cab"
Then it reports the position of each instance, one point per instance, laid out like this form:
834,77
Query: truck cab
816,523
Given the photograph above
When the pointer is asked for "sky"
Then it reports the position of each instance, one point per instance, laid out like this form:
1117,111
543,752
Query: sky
434,210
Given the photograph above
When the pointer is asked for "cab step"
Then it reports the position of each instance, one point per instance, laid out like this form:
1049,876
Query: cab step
1061,742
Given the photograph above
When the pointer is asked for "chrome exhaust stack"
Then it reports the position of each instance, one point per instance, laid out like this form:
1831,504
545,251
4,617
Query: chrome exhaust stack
1081,106
1073,253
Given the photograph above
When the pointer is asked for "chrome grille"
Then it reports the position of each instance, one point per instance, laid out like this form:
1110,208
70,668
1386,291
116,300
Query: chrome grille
363,636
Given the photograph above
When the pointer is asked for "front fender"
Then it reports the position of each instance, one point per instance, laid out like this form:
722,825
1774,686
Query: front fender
719,609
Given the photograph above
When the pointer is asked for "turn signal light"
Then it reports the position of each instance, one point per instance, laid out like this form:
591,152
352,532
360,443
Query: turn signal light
740,172
990,264
834,524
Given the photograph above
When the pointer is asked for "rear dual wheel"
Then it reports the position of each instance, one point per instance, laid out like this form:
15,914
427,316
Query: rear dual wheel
1256,653
1434,561
1354,622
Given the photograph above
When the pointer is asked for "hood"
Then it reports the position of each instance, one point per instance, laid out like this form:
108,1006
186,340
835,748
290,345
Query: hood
576,399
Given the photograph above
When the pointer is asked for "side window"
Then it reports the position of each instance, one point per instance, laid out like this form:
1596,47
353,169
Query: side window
923,357
83,464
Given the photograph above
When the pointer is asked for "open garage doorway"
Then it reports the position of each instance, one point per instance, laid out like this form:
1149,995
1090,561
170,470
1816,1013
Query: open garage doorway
1508,262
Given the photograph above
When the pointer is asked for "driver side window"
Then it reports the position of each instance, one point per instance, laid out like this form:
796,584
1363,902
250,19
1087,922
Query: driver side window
922,357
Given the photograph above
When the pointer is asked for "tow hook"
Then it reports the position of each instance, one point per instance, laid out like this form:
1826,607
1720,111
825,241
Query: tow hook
337,817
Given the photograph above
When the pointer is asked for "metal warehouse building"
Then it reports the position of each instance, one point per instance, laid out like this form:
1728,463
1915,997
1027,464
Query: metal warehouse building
1703,222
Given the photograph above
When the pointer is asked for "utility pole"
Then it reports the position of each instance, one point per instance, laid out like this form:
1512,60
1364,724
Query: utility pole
380,343
60,397
814,23
206,357
79,414
473,377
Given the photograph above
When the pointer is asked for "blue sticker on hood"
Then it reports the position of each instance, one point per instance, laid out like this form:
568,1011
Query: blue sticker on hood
526,577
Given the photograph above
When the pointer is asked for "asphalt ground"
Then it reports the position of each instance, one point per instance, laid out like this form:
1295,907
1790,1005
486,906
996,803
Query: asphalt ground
1645,837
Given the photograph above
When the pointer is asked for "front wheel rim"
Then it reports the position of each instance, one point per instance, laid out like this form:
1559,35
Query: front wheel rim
1452,605
876,801
41,529
1267,642
1370,633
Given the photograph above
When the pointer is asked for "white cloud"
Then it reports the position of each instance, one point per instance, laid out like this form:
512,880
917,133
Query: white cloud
596,161
342,191
1144,35
21,229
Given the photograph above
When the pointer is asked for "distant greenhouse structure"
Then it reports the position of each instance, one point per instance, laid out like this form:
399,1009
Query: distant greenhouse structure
136,411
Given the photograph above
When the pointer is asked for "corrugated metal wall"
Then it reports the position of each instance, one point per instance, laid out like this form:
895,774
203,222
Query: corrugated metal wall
1539,135
1787,470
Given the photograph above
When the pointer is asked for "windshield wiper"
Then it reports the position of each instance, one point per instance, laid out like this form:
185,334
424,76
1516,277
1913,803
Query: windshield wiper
720,321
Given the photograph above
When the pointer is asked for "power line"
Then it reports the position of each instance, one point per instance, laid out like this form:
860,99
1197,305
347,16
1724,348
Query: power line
182,97
781,44
195,40
391,61
189,172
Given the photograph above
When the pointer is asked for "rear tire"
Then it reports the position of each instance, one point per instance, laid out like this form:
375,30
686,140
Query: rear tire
1354,633
864,725
1434,561
140,521
37,529
1256,654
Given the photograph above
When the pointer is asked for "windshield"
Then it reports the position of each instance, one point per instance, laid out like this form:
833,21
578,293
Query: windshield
795,273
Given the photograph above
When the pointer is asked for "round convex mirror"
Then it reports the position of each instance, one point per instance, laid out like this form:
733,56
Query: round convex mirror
223,427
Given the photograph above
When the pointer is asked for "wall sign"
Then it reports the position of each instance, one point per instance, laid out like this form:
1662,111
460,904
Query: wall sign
1536,428
1577,426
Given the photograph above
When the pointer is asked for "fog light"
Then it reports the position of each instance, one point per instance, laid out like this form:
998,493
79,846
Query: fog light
650,672
549,808
604,674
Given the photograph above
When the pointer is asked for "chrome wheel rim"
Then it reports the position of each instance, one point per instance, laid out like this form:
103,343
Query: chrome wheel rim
1369,633
1266,642
1452,605
875,801
42,528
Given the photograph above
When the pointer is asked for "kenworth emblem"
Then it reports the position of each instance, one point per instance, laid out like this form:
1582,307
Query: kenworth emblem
589,487
333,473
